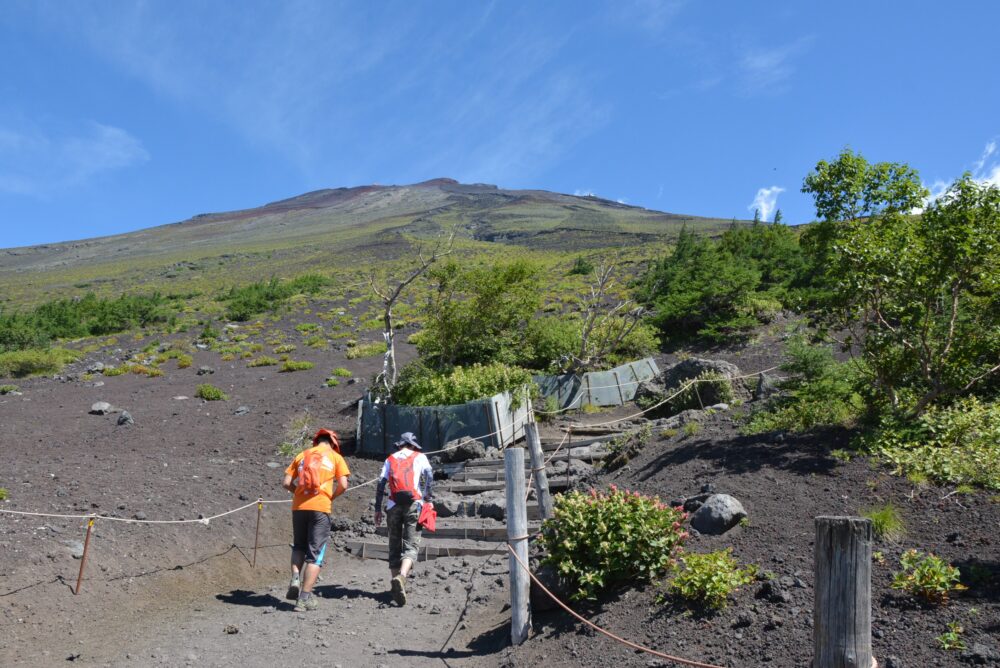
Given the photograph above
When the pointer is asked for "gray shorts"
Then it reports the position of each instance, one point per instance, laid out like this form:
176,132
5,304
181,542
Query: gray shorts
404,534
310,531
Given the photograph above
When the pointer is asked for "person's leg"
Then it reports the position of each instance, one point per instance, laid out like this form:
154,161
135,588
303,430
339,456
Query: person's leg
300,539
319,534
410,540
394,526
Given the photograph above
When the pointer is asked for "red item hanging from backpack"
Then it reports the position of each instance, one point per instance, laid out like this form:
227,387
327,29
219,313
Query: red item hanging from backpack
402,488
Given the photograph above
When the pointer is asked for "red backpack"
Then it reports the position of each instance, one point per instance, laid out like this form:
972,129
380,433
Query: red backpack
312,473
401,483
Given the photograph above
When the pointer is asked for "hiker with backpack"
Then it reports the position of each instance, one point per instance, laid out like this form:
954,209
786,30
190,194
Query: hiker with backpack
409,476
316,476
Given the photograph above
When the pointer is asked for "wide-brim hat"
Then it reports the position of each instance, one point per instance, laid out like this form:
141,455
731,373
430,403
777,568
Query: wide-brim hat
408,438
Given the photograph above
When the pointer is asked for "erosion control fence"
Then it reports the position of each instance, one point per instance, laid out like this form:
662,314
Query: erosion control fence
598,388
380,424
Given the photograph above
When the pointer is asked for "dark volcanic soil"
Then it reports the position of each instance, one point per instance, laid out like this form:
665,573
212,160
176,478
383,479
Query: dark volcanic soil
174,595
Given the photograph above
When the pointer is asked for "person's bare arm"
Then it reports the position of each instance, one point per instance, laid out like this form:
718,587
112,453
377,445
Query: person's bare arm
287,483
341,486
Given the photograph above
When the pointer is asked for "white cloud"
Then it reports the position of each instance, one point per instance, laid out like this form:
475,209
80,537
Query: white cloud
36,161
985,170
766,201
767,70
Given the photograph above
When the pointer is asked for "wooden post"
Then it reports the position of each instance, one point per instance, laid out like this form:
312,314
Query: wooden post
83,559
256,533
517,538
538,469
842,610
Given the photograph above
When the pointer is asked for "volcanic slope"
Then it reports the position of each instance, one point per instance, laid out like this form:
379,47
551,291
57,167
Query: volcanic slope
321,228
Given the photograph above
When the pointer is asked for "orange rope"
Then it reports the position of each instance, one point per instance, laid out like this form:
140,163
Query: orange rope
609,634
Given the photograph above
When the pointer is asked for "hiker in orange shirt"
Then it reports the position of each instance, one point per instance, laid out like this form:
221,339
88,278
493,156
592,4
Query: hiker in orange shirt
311,477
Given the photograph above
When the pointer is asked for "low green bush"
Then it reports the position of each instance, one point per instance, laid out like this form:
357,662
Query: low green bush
599,540
34,362
263,360
365,350
111,371
421,386
210,393
285,348
708,580
926,577
581,267
332,382
952,638
957,444
292,365
821,392
7,389
247,301
886,522
4,494
341,372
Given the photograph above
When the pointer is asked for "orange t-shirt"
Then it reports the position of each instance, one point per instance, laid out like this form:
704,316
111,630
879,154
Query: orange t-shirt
334,466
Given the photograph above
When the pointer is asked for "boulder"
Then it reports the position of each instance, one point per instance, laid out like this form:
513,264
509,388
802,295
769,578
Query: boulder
102,408
981,653
717,515
96,367
449,504
125,419
205,371
463,449
242,410
492,505
677,374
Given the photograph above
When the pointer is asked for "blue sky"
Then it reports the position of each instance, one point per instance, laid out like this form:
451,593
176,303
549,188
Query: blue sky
116,116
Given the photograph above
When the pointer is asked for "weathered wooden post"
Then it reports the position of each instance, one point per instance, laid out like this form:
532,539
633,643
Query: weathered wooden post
842,610
256,533
538,469
517,538
83,557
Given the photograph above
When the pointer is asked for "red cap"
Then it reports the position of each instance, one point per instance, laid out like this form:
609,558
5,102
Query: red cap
333,437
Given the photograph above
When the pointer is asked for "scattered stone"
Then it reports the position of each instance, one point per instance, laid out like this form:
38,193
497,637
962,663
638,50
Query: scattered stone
96,367
242,410
981,653
201,346
718,514
205,371
181,397
97,383
353,381
102,408
231,630
125,419
773,592
273,465
75,548
139,516
893,661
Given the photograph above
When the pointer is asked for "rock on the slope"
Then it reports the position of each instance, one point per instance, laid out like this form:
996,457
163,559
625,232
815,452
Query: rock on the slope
95,367
717,515
691,368
125,419
463,449
982,654
765,388
102,408
205,371
242,410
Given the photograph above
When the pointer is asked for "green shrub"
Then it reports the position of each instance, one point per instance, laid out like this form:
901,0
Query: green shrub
292,365
952,638
250,300
599,540
958,444
316,341
707,580
625,446
420,386
926,577
365,350
24,363
691,428
886,522
111,371
581,267
307,327
7,389
285,348
263,360
821,392
4,494
706,389
332,382
210,393
341,372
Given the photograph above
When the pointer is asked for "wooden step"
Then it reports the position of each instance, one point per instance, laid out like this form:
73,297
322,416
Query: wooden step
583,453
378,550
549,444
556,484
473,533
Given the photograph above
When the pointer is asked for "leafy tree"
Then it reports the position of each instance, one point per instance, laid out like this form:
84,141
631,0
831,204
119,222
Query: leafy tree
756,216
699,290
773,249
778,217
918,295
479,314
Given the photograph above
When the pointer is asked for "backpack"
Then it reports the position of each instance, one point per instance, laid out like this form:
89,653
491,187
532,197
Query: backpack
312,472
401,484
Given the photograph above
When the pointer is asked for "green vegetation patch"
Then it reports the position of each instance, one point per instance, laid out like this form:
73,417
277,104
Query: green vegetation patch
600,540
263,360
421,386
7,389
886,522
250,300
708,580
291,365
365,350
341,372
34,362
926,577
210,393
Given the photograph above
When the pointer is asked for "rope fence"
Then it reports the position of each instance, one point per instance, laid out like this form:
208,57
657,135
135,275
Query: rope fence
261,502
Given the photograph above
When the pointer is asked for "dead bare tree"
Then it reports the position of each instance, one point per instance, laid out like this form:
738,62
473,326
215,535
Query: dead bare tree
389,292
606,323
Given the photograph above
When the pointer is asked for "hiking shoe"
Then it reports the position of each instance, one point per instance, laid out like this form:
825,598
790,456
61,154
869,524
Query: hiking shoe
304,605
399,590
293,590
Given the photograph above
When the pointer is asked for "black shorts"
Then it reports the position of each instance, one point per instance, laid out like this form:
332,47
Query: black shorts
310,531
